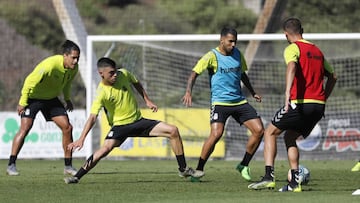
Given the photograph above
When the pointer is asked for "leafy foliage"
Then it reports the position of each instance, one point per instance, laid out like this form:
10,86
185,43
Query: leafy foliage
326,16
162,17
209,16
37,24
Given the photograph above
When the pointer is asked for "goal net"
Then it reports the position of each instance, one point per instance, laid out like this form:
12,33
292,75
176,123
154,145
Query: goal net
164,62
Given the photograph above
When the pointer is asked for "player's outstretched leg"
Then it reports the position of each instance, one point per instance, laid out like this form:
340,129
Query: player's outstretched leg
91,162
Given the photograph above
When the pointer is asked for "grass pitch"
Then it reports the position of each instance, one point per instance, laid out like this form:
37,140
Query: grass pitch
157,181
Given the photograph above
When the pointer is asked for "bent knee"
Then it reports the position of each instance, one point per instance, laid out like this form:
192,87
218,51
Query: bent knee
216,134
68,128
258,132
174,131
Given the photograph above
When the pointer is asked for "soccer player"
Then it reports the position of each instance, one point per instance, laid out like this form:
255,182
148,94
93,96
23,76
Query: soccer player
356,167
227,68
304,104
115,95
42,87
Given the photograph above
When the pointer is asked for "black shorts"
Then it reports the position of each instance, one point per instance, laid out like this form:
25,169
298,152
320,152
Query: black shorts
301,118
140,128
48,107
241,113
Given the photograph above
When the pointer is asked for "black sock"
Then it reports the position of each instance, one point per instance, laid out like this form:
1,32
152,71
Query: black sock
201,164
12,159
246,160
181,162
81,172
294,177
269,172
68,161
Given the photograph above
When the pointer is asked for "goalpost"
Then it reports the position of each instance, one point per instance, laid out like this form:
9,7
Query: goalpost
163,63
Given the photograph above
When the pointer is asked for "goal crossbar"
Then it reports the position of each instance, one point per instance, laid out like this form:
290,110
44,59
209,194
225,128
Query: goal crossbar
212,37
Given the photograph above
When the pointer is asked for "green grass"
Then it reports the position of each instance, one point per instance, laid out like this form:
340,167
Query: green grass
157,181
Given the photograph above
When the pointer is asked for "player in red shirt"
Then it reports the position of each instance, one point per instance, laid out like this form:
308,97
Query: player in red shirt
305,98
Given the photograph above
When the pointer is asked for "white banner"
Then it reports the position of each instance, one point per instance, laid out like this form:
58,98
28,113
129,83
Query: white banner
44,139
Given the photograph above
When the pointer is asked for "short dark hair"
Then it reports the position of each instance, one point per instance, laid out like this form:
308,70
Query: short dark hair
69,46
106,62
293,26
228,30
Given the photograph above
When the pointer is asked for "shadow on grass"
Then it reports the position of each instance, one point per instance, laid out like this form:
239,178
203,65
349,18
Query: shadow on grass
133,172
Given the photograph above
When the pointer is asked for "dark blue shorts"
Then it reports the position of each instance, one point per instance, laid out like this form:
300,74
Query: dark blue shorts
48,107
140,128
301,118
241,113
